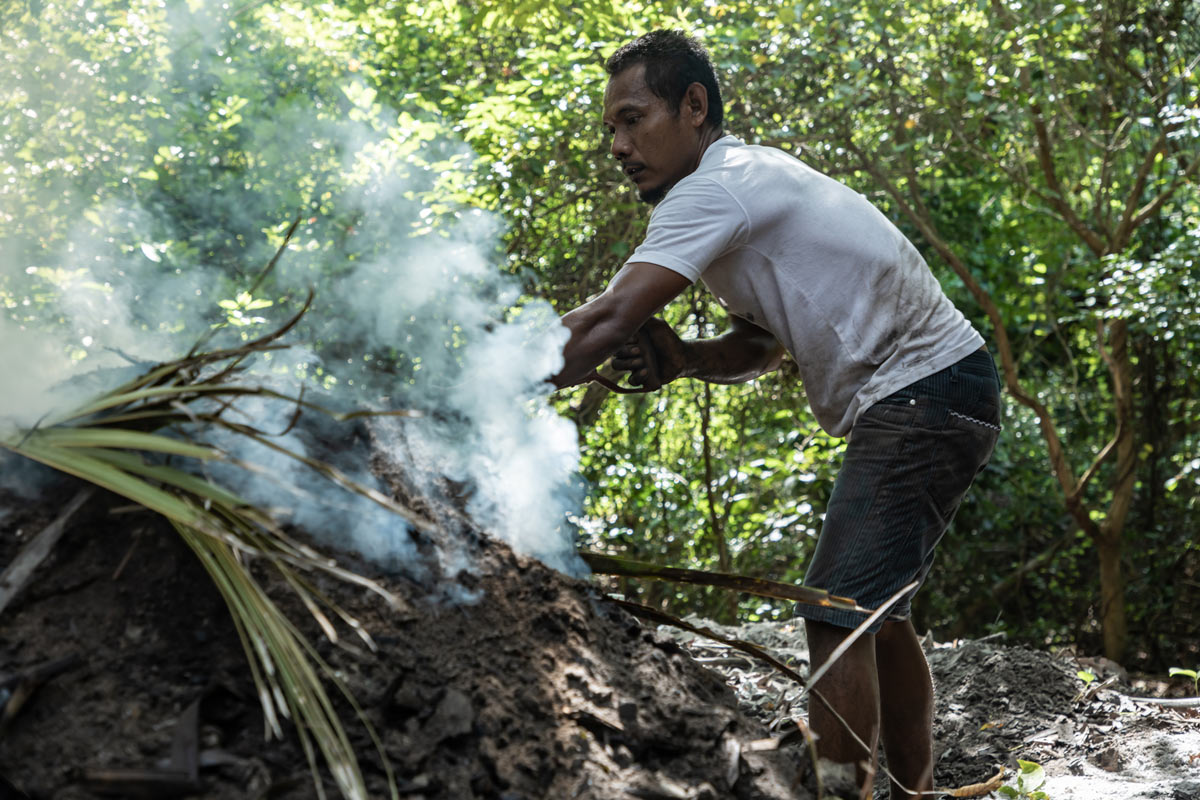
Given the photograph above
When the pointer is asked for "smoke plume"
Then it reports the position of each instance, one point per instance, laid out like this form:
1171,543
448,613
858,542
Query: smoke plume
119,257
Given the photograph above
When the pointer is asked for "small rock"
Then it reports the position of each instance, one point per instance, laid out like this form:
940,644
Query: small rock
454,717
1108,759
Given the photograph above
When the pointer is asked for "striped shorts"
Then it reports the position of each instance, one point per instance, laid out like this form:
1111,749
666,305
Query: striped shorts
910,459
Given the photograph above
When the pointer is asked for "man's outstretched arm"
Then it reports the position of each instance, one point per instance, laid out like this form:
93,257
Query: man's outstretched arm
602,325
742,353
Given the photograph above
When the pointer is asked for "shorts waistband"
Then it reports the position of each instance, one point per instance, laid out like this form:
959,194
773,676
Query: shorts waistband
977,363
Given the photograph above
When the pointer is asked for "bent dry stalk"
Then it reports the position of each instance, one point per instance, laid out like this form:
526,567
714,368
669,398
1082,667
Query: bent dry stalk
616,565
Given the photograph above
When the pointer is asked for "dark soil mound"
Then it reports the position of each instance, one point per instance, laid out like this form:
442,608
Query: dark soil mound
537,689
991,700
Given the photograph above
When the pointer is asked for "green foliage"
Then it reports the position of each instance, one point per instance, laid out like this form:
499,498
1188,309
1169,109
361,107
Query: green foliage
1028,784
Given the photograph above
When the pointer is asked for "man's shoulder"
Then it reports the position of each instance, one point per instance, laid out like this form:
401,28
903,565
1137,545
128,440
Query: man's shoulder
752,168
732,150
709,185
759,178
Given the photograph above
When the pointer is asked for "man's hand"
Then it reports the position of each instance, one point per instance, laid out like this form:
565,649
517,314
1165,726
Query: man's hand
654,356
599,326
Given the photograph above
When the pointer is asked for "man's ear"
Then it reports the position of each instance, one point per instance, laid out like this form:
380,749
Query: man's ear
695,101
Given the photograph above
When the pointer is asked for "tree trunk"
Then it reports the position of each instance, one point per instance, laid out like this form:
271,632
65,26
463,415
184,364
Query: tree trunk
1108,540
727,611
1112,596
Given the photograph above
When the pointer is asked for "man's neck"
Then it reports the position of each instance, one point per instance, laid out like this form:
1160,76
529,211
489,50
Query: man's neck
709,136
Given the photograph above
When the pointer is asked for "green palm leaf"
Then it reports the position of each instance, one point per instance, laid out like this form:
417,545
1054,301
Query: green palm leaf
121,441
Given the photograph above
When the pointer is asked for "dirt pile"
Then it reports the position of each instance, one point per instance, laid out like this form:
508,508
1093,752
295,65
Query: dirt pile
498,679
537,689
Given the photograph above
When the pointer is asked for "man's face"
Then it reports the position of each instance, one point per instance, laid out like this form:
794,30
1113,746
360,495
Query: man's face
657,147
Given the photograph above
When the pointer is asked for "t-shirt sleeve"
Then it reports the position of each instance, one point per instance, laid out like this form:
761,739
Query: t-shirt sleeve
696,223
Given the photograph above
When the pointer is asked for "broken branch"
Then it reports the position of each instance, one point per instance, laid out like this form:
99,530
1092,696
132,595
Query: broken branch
629,568
663,618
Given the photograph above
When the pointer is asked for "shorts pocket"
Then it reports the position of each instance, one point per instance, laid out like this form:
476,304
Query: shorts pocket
964,449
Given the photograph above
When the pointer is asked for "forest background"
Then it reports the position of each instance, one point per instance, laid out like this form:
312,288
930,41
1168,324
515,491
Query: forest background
1042,155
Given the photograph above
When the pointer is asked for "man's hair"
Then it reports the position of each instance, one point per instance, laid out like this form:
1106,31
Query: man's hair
674,61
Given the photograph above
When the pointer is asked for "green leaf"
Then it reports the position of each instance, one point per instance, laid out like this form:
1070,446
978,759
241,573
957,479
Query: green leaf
107,476
122,439
1032,775
132,462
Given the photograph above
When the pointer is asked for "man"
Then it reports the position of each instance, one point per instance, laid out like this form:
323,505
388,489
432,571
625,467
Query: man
804,264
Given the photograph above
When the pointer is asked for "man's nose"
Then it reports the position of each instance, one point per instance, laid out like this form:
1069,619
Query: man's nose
619,146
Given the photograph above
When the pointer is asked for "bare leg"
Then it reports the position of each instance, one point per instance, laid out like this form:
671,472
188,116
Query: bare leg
906,703
852,687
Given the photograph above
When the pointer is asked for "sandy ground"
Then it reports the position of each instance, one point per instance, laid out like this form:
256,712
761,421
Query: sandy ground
996,704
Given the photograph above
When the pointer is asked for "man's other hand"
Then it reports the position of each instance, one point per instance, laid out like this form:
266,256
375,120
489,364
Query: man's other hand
654,356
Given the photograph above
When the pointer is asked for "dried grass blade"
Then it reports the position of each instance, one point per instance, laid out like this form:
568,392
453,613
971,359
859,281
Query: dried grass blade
160,416
180,368
265,538
239,353
287,237
333,474
193,391
288,657
262,673
107,476
115,399
70,437
133,463
305,585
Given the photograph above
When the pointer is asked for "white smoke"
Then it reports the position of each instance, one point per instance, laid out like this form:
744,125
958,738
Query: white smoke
31,364
117,305
471,354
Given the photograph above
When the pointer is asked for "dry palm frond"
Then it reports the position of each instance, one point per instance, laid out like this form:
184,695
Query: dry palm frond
122,441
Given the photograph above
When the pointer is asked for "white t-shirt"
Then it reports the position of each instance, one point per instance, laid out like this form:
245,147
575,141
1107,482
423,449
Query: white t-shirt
816,264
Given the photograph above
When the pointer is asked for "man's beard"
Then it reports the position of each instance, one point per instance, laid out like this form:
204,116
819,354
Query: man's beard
654,195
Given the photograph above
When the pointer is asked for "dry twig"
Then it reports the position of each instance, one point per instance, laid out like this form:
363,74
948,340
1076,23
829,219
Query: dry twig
17,574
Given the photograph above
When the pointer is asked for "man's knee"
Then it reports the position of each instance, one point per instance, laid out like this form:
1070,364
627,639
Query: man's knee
824,639
896,631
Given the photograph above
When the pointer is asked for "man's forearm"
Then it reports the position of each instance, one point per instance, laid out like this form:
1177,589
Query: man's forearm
731,358
601,325
594,337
